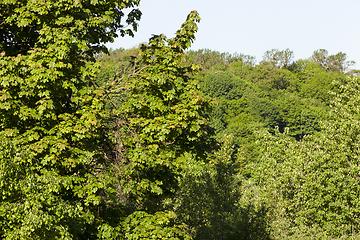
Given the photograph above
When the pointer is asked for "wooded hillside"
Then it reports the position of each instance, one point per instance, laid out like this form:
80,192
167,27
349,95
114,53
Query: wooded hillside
162,142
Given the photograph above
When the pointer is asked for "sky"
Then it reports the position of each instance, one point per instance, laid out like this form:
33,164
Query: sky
253,27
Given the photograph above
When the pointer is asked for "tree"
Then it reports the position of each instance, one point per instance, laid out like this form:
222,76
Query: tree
51,131
312,184
276,58
165,117
212,202
335,63
208,59
160,123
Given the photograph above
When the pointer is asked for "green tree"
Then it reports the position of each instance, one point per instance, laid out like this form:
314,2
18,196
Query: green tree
269,77
277,58
168,115
51,157
211,200
312,185
208,59
335,63
314,81
160,125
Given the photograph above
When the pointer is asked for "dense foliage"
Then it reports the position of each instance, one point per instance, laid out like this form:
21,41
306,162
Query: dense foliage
313,183
159,142
51,131
232,192
163,119
265,96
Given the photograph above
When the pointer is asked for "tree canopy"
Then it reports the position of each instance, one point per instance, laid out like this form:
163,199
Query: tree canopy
162,142
51,129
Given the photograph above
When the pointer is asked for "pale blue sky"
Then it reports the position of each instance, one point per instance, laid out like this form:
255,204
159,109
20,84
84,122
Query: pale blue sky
253,27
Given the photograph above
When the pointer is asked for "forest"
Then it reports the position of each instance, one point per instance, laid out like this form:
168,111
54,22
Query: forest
162,142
